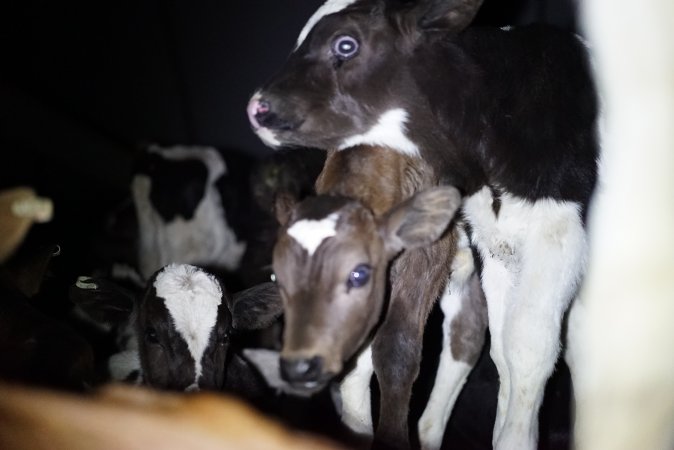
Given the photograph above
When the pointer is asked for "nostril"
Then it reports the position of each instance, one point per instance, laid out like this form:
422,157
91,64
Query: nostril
301,369
263,107
257,110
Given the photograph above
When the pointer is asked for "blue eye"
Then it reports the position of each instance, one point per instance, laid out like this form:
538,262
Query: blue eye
344,47
359,276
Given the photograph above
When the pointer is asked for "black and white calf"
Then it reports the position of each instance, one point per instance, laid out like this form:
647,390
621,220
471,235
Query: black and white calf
179,329
197,205
183,213
508,116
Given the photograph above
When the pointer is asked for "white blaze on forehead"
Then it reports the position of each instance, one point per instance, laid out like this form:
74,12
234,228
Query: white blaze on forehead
192,297
329,7
389,132
311,233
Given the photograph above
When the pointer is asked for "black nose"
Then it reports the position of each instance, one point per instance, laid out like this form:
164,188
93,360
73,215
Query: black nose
301,369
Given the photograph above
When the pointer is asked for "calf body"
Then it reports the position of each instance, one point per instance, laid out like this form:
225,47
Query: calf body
344,298
506,116
181,215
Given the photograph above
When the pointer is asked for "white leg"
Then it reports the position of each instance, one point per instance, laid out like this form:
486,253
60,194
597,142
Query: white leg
533,256
462,301
355,395
497,283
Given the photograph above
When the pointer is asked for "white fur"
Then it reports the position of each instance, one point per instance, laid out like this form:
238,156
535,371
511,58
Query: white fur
329,7
390,131
355,394
534,255
311,233
206,239
85,283
451,374
192,298
268,137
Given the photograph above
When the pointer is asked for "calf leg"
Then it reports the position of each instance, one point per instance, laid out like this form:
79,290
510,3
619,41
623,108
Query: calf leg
553,254
533,256
464,327
418,278
356,410
396,356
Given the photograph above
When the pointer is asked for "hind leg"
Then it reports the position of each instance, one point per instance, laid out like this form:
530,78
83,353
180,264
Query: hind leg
464,328
552,252
533,253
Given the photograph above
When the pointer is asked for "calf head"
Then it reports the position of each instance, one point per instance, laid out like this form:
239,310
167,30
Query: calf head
183,322
354,77
184,329
331,263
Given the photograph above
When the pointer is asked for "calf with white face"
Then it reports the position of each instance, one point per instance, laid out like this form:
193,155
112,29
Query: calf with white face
183,325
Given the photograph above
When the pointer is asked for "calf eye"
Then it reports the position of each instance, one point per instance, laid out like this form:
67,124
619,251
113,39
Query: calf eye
151,336
344,47
359,276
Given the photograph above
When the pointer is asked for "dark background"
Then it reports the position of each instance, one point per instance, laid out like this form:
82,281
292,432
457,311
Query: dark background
83,84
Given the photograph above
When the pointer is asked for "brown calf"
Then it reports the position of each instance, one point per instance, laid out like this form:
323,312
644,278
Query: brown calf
337,257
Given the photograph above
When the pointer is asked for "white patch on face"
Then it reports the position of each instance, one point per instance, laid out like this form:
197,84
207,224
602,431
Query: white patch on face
388,132
192,298
268,137
311,233
329,7
507,28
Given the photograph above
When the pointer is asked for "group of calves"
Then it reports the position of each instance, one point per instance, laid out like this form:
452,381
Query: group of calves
181,320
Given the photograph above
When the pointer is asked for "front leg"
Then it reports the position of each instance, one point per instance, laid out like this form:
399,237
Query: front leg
396,354
418,277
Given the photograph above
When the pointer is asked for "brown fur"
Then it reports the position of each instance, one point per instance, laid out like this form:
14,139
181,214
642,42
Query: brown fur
320,316
125,418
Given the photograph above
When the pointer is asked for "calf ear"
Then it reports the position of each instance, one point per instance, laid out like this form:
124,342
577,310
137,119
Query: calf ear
420,220
103,301
257,307
446,15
